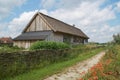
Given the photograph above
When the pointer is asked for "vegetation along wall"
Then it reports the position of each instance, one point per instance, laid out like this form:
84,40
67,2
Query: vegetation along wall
15,63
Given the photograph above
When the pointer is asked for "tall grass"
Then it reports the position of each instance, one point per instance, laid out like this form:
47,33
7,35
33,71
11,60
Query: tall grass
9,49
23,62
41,73
108,68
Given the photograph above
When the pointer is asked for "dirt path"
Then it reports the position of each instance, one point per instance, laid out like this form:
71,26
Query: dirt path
77,71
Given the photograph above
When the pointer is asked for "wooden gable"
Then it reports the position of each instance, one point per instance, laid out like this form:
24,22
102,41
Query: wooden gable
37,24
41,22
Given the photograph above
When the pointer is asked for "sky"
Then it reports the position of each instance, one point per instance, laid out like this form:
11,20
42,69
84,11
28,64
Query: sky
99,19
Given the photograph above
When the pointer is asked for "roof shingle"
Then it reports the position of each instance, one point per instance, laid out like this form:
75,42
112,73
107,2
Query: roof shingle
38,35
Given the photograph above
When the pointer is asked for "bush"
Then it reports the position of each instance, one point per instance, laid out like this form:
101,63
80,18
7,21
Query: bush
9,49
48,45
116,38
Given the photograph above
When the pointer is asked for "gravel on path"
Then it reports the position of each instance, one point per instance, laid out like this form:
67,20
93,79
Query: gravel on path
79,70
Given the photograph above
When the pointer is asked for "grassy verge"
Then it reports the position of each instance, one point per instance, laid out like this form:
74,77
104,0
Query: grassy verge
9,49
40,74
108,68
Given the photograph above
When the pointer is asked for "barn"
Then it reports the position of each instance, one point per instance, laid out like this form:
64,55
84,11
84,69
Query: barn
45,28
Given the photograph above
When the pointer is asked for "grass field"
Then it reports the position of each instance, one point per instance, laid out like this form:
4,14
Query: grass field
39,74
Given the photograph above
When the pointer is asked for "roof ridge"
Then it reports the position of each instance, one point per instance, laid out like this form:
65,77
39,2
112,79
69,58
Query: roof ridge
58,20
64,23
40,31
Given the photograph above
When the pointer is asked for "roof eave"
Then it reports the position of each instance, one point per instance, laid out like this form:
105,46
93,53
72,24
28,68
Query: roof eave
74,34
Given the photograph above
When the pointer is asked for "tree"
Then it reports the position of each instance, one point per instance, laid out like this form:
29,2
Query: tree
116,38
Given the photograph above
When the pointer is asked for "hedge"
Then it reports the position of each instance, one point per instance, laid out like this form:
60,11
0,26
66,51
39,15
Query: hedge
49,45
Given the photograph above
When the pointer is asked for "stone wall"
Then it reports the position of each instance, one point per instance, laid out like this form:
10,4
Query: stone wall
12,64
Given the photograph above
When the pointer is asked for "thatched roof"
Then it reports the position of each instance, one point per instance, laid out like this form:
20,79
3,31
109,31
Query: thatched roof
59,26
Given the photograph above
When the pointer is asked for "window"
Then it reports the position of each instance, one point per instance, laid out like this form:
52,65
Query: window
66,39
78,40
86,41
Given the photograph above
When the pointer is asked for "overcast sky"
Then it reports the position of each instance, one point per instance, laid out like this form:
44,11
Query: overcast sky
99,19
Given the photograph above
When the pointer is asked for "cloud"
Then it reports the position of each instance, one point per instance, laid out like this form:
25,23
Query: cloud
117,6
102,33
88,16
64,4
47,3
7,5
15,26
84,15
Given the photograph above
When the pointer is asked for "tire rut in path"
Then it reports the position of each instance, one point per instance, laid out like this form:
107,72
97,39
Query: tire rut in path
79,70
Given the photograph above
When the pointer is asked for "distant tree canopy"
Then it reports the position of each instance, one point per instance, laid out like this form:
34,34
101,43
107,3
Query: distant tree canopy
116,38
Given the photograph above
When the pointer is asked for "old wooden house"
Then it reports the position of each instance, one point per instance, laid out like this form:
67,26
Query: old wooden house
42,27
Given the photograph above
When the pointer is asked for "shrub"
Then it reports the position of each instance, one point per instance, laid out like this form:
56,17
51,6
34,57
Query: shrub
116,38
49,45
9,49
